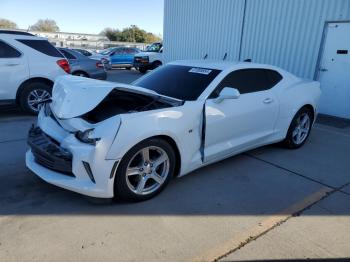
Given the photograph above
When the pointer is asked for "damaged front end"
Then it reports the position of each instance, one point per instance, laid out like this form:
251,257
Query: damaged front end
74,132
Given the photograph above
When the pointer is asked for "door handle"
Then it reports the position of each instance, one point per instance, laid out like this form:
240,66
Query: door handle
323,69
268,100
12,64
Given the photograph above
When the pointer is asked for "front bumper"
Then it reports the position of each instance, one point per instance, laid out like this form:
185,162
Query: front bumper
82,186
59,158
48,153
140,62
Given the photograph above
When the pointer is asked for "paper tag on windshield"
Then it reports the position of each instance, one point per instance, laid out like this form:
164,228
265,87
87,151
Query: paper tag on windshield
200,71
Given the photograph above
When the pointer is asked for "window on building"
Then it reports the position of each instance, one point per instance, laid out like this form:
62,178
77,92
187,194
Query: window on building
7,51
249,80
42,46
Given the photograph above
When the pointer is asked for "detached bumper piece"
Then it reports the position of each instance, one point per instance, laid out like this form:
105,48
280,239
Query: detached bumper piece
48,153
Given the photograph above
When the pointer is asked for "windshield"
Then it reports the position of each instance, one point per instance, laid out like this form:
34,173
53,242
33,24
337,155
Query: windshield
181,82
107,51
155,47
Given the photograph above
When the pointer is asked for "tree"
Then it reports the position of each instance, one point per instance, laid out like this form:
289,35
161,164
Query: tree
45,25
130,34
8,24
111,34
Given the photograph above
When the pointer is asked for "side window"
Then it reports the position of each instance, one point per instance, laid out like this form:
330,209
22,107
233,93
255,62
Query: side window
130,50
85,53
67,54
42,46
7,51
117,51
249,80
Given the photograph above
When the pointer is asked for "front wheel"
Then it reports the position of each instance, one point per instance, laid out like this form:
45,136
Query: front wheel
300,128
156,64
145,170
142,70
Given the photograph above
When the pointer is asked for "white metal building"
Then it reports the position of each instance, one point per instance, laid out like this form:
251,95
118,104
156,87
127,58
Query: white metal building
310,38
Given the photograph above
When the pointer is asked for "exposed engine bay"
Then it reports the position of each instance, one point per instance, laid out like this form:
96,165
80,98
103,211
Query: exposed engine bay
121,102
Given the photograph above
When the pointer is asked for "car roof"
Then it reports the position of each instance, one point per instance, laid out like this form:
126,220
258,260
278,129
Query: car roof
9,34
221,65
14,32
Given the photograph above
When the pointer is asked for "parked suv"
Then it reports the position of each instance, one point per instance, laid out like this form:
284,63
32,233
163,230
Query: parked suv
28,68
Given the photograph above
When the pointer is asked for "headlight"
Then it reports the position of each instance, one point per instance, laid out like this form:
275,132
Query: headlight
85,137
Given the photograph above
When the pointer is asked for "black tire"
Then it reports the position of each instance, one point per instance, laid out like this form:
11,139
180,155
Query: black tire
156,64
128,68
142,70
289,142
80,73
121,188
26,92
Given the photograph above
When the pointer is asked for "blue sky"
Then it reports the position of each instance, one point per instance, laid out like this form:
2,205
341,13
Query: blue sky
86,16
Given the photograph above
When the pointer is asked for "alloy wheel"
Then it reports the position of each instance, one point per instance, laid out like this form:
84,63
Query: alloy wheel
35,97
147,170
301,129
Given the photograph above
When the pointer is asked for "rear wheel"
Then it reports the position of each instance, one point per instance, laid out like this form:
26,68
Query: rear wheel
300,128
80,73
32,96
145,170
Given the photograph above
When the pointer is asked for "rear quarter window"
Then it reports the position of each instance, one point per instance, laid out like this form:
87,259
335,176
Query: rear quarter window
249,80
67,54
41,46
7,51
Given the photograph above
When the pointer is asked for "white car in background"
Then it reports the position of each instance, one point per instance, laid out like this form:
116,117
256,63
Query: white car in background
28,68
149,59
106,139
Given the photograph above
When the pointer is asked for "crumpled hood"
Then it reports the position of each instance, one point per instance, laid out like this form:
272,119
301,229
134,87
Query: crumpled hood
73,96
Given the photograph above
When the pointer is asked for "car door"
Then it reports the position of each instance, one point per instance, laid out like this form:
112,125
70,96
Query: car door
13,70
117,56
129,55
234,125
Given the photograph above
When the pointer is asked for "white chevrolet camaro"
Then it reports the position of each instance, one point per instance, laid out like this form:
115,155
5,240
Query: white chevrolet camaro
106,139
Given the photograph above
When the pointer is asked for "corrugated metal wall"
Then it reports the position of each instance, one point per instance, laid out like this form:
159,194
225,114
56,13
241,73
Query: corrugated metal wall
195,28
286,33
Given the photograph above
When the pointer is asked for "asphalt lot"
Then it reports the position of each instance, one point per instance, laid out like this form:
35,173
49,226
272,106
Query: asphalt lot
269,203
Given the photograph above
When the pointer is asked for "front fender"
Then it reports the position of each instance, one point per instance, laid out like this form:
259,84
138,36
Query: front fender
182,124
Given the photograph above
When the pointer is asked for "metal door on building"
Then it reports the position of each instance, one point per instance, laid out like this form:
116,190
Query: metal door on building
334,72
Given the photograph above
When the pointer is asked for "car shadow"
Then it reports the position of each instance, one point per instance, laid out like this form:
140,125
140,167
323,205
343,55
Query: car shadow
239,185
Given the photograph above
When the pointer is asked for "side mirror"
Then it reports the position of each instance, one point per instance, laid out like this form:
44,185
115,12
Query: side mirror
227,93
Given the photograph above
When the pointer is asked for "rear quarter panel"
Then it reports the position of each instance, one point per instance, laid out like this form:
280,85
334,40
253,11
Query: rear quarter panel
292,97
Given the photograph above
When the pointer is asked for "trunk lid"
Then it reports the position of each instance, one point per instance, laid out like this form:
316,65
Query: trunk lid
74,96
